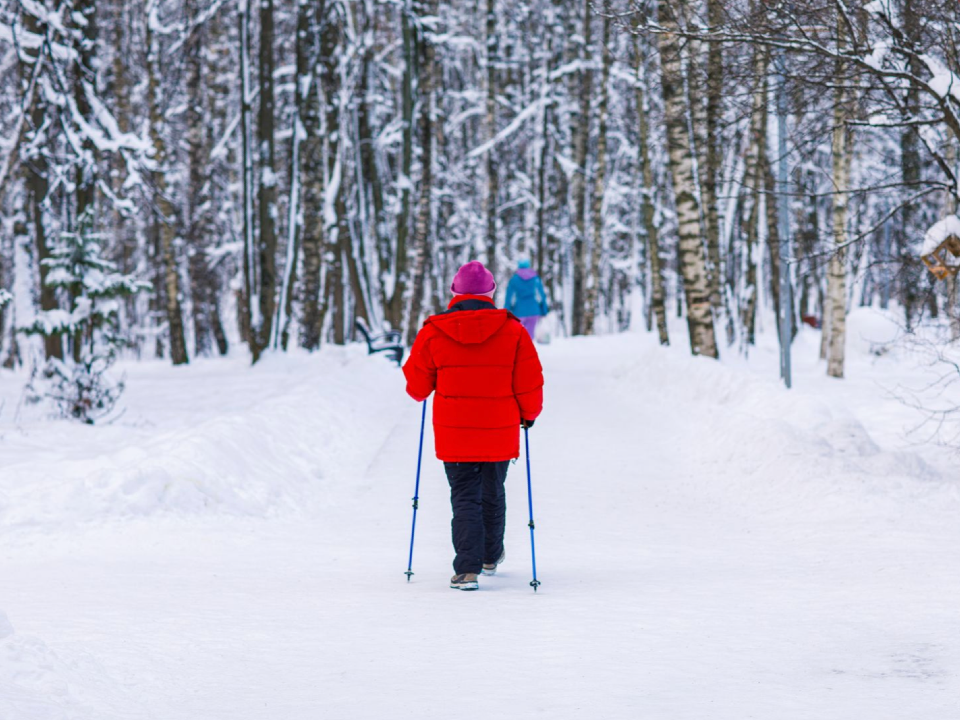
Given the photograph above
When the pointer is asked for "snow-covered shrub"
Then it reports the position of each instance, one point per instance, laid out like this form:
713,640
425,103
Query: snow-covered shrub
80,386
82,391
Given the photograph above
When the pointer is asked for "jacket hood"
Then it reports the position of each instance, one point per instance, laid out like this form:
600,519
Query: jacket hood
470,320
526,273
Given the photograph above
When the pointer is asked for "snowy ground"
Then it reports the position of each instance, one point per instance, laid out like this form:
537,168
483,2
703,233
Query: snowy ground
710,546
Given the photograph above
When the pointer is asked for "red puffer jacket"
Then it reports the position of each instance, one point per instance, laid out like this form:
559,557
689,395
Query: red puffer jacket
487,375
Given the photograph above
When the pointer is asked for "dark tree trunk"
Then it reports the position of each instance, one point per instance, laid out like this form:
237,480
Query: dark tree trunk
396,307
579,182
267,196
313,191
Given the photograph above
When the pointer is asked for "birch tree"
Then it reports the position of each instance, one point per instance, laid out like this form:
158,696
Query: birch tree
836,274
691,259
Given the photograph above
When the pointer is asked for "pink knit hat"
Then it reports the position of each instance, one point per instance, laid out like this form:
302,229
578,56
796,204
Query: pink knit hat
473,279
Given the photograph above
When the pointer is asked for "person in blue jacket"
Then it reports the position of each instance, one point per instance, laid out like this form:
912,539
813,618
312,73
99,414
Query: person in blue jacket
526,297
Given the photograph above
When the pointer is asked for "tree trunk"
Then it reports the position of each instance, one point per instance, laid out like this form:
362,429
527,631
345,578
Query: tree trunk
396,307
600,179
428,82
369,173
35,170
648,195
302,75
950,205
247,301
267,196
581,145
680,155
493,177
773,231
203,290
712,154
911,272
314,173
85,16
165,217
754,180
836,273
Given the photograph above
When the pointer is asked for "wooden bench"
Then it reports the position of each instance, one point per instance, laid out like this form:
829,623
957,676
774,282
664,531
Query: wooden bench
389,342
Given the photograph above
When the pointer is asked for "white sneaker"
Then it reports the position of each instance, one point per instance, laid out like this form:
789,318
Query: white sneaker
464,581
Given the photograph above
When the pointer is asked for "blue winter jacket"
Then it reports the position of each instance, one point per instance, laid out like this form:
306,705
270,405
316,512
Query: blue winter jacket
526,296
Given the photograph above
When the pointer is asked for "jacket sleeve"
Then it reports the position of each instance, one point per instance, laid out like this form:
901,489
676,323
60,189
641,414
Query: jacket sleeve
544,305
511,302
420,370
528,379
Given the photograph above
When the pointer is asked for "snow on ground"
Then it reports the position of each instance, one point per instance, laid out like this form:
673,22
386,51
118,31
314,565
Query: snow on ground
218,437
710,546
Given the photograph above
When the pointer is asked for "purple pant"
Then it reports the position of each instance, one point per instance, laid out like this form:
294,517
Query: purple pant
530,324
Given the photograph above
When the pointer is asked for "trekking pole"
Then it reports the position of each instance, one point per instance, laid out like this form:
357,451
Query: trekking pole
416,491
533,550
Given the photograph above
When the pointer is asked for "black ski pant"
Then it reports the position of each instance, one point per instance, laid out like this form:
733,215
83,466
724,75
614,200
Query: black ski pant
479,512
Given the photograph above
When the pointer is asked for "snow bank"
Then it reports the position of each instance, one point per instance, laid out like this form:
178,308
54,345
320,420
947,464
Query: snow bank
872,331
35,684
770,447
216,437
939,232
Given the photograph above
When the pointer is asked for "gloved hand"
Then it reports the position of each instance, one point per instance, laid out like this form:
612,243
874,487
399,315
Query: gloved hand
526,424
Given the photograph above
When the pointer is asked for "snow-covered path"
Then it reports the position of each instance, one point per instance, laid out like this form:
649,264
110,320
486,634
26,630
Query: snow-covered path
709,547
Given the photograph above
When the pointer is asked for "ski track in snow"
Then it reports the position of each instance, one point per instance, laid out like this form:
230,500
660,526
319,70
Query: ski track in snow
710,546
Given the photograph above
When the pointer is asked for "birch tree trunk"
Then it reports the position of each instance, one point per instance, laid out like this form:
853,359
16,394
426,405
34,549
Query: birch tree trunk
836,273
428,82
680,156
600,179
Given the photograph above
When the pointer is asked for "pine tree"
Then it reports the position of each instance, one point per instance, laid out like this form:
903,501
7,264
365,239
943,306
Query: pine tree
77,270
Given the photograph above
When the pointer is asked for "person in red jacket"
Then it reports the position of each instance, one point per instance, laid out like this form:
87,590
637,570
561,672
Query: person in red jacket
489,383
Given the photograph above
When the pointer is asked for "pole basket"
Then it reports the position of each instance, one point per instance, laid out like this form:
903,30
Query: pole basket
945,260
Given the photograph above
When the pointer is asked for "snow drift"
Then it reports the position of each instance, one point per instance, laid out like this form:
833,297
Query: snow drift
219,437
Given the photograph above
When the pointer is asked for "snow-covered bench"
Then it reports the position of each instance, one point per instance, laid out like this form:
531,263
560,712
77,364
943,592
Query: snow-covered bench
388,342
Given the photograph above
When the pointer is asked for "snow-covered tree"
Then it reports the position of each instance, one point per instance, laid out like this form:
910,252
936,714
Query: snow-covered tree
92,288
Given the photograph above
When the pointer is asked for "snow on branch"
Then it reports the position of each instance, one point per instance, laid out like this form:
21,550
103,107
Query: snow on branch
510,129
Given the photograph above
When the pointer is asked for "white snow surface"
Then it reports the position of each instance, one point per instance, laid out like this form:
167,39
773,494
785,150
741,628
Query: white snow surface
710,546
938,232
